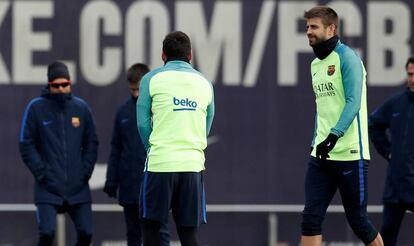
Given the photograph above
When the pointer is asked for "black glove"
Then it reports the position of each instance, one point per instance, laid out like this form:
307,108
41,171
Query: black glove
387,156
325,147
110,190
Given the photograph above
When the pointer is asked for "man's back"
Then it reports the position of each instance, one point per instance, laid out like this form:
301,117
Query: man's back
179,98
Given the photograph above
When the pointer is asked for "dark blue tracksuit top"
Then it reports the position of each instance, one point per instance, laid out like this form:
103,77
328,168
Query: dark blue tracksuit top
59,145
127,158
396,115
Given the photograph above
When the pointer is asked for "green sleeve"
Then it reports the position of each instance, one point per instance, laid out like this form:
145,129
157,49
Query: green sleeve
144,111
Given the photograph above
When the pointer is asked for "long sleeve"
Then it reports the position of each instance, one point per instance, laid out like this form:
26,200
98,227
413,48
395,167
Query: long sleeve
210,113
315,127
112,178
377,125
353,79
27,143
144,112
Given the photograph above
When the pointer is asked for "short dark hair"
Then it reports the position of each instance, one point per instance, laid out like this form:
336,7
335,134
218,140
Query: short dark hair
327,15
176,46
136,72
409,61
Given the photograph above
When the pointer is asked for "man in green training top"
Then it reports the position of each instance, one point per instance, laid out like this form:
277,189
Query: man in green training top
340,151
176,105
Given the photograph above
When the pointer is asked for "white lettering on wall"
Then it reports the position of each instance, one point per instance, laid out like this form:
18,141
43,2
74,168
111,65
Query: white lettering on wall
221,43
104,71
396,42
25,41
158,18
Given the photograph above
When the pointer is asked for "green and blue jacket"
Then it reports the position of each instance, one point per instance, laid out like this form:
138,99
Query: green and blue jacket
339,84
176,110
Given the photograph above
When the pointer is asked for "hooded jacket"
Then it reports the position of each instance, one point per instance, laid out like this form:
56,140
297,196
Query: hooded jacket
58,143
127,159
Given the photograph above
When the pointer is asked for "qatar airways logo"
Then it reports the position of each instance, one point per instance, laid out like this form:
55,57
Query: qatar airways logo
184,104
324,89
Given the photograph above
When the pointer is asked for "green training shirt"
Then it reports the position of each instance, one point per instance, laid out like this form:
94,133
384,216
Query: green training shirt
175,110
339,84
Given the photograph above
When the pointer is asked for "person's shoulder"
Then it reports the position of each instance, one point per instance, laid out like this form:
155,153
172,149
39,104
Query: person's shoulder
345,52
397,96
127,104
182,66
81,103
35,102
393,99
201,75
148,76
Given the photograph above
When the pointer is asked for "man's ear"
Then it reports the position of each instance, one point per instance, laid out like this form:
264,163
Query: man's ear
332,29
190,55
163,57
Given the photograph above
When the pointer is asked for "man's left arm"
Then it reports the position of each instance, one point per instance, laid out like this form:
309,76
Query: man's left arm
352,79
210,113
143,107
89,144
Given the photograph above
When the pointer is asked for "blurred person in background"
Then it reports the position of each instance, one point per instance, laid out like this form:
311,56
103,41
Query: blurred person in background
58,143
392,133
127,161
340,151
175,113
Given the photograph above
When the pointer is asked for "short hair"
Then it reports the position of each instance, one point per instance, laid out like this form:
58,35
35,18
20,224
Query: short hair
327,15
410,60
176,46
136,72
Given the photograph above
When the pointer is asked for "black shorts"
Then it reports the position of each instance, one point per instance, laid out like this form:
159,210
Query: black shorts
182,192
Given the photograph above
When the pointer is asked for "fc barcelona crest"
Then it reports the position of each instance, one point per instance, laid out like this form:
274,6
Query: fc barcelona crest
331,70
75,121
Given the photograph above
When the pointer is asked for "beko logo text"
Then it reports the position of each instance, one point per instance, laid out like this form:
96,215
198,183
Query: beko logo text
186,104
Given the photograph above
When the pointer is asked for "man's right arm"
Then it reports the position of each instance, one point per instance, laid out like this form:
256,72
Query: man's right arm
27,143
112,177
210,113
378,124
144,111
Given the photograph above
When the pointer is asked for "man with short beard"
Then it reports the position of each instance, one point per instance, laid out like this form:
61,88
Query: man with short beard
339,150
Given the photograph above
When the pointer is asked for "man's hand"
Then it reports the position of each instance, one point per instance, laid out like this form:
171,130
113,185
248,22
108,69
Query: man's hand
110,190
325,147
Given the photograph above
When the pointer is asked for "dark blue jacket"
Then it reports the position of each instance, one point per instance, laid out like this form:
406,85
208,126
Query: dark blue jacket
59,145
127,159
397,116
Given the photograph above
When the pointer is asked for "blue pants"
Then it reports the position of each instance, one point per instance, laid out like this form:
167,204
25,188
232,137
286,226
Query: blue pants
81,215
323,179
132,220
392,217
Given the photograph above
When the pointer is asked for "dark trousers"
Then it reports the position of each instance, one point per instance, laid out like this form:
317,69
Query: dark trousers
133,226
322,181
80,214
392,217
